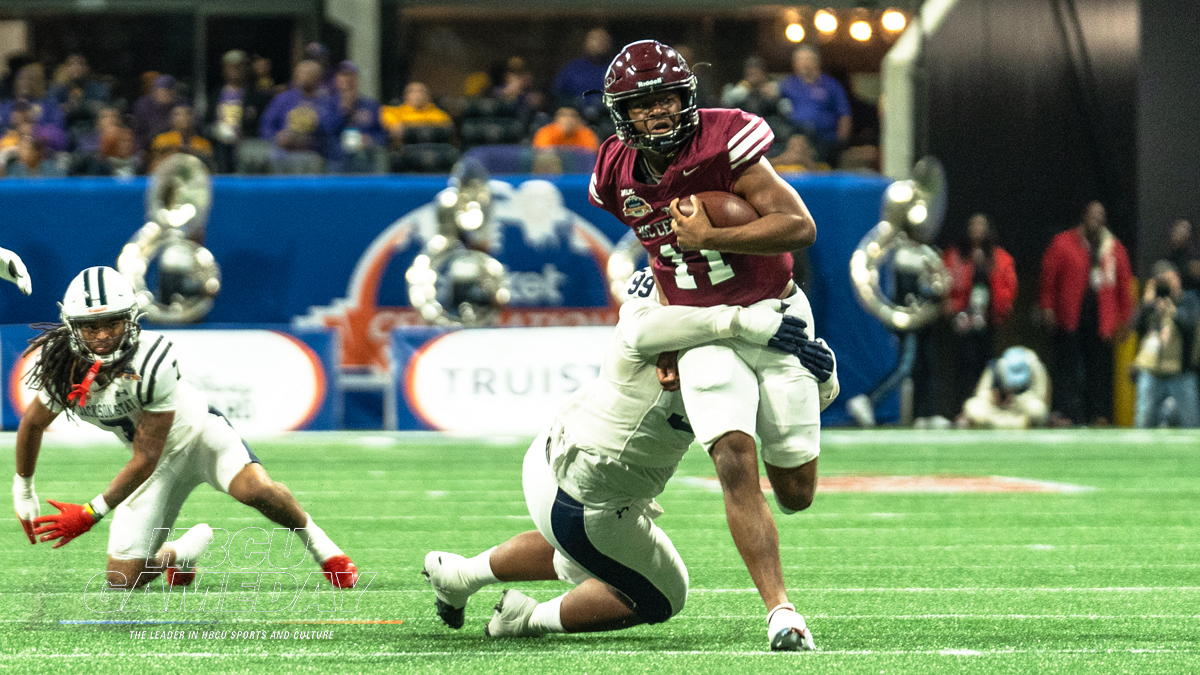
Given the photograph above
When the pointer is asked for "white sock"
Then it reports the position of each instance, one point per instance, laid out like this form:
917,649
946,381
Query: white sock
190,546
547,616
477,572
781,617
318,543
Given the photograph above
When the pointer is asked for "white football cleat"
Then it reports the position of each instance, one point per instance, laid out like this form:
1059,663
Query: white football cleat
190,547
184,553
441,572
512,616
787,631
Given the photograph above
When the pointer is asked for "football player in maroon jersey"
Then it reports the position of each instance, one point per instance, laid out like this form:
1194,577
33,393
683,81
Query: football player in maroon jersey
666,149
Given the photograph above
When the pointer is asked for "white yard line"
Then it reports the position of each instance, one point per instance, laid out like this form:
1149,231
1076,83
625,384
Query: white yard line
336,654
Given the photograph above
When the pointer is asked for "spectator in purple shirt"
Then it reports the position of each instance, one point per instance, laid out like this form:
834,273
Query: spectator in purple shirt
820,107
358,136
234,113
585,73
152,112
300,121
29,86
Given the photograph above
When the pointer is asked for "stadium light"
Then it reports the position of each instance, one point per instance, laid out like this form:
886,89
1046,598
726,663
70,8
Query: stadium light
794,32
825,21
860,30
894,20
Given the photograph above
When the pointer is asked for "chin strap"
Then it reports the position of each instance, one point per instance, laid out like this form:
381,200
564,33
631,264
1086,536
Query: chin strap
81,390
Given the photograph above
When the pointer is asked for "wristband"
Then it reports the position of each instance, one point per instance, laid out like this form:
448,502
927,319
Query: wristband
24,484
98,507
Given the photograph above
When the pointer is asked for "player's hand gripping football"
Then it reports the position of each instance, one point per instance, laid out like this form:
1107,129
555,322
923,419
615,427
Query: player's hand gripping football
71,521
691,232
12,269
25,502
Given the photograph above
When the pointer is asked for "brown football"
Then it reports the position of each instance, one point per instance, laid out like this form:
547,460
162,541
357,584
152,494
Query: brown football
724,209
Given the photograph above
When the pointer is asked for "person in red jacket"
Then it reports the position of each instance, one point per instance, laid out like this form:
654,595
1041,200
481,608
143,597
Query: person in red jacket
983,287
1086,302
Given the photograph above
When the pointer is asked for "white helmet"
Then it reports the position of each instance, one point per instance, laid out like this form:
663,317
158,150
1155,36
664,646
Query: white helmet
101,293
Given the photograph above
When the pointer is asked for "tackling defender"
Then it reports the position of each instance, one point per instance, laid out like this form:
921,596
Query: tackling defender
666,148
590,481
100,366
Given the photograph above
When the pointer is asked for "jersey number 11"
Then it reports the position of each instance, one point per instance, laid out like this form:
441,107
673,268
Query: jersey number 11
718,269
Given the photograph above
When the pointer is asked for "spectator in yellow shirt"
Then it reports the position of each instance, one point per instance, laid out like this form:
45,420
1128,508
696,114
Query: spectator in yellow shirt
568,130
418,110
181,138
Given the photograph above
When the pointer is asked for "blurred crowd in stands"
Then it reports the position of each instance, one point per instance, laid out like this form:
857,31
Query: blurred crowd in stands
61,119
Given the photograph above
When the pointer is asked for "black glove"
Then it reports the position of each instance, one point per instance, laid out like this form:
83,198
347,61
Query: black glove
815,356
818,358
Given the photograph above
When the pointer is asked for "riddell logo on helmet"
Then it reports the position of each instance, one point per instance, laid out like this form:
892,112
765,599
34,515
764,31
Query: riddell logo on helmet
96,310
647,83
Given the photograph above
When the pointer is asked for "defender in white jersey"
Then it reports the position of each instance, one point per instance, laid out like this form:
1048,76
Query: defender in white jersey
101,367
590,483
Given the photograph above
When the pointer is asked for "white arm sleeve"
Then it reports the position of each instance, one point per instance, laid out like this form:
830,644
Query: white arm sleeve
647,329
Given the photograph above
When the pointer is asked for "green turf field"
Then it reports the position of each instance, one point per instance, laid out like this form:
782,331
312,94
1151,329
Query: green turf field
1102,578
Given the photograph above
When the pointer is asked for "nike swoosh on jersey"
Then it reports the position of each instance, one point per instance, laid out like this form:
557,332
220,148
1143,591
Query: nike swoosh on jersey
686,172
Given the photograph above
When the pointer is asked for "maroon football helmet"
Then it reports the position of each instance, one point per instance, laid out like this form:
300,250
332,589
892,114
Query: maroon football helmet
650,67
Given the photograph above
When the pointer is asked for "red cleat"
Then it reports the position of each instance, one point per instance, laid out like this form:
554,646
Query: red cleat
178,577
340,571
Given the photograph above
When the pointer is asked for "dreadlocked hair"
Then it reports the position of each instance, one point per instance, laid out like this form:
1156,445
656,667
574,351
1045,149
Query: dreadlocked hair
58,367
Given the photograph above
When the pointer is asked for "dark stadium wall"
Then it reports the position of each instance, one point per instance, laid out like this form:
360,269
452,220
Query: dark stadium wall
1168,123
1032,109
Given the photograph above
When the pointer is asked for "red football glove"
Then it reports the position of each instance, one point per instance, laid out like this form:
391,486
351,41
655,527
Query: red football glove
72,521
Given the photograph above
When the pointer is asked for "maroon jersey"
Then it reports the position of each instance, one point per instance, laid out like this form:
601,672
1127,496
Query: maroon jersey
727,143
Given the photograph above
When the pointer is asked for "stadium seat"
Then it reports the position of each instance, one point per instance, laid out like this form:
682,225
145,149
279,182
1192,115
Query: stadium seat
783,130
426,134
254,156
487,107
576,160
503,158
491,131
425,158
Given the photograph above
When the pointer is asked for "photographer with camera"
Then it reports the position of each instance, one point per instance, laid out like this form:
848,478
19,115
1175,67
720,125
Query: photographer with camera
1166,361
1013,393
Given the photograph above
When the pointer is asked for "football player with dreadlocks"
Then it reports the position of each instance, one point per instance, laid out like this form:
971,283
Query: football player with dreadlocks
666,149
100,366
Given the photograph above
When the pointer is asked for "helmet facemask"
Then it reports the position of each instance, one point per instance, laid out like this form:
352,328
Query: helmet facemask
687,120
121,345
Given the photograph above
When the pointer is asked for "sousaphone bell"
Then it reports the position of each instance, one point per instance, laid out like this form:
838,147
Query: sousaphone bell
178,201
912,213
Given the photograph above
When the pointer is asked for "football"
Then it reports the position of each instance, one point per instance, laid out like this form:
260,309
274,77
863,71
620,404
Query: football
724,209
